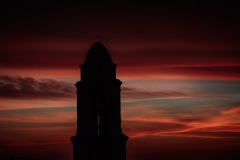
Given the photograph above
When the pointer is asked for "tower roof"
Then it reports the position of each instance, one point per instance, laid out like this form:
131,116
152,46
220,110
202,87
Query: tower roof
98,54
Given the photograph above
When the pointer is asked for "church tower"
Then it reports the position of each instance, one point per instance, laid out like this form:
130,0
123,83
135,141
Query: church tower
99,135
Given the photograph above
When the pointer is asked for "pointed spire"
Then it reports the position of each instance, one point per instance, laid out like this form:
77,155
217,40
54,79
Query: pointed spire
98,55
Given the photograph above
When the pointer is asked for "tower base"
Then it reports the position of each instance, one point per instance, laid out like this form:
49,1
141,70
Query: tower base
99,147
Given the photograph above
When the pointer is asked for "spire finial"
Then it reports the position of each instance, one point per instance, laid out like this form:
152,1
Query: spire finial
97,37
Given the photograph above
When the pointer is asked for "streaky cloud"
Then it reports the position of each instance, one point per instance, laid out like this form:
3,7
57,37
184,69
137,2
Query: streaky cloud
30,88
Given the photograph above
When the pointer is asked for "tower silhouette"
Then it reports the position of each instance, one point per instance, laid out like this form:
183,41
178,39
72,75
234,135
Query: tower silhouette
99,135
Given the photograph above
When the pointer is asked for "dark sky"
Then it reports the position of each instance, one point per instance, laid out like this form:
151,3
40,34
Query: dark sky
135,28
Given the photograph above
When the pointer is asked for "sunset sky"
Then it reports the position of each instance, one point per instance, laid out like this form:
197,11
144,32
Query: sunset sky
179,63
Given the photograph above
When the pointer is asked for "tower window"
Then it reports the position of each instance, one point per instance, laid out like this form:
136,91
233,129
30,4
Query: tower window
98,124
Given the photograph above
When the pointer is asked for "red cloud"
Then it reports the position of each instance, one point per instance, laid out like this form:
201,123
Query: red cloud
136,128
206,72
134,94
146,120
233,110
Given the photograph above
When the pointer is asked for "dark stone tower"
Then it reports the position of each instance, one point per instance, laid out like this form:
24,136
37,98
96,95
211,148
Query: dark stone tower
99,135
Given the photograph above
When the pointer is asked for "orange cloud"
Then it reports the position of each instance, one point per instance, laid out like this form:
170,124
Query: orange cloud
140,121
233,110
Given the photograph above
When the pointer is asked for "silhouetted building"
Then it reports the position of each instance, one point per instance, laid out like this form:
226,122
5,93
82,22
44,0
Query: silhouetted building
99,135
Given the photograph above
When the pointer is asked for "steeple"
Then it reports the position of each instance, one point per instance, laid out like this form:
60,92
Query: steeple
98,64
98,55
99,134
